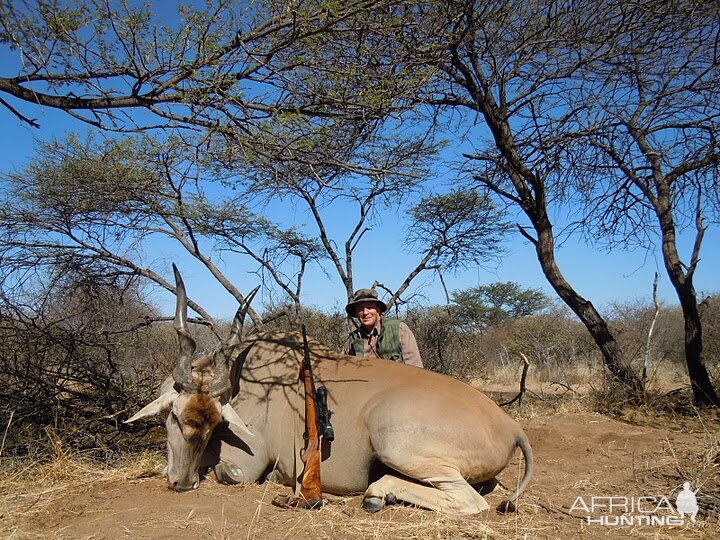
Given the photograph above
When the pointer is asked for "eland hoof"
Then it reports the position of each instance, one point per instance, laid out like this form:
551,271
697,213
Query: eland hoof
506,507
372,504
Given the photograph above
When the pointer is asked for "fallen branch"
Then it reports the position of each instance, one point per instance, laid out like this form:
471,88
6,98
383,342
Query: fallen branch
523,378
7,428
567,387
646,359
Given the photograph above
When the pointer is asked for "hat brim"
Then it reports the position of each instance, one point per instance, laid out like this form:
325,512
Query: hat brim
350,308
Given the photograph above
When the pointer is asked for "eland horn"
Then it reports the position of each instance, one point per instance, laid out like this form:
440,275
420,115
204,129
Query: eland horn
182,373
221,381
237,325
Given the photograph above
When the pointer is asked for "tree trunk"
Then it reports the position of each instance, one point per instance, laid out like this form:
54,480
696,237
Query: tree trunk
584,309
704,394
531,197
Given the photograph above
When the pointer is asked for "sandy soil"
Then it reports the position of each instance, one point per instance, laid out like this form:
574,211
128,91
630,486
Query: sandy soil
577,454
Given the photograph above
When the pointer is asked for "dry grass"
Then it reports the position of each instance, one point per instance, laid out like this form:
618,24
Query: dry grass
29,485
30,488
341,517
701,467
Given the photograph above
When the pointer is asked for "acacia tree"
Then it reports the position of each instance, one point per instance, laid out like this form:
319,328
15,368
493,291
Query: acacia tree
95,205
496,303
650,159
509,65
455,229
214,69
123,66
556,86
361,165
266,83
362,172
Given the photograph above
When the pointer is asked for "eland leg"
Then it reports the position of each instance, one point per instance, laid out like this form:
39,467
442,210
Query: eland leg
447,492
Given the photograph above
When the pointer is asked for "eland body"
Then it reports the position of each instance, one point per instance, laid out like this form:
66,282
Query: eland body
401,432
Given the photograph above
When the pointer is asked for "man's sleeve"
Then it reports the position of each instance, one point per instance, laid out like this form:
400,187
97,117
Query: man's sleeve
410,351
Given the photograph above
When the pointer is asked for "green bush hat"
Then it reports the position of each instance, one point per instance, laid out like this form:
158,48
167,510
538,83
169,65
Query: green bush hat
364,295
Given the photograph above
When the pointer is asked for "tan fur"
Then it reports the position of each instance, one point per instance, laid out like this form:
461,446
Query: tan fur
441,435
426,426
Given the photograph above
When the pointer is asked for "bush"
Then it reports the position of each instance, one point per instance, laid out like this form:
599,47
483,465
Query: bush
710,315
79,368
329,329
439,342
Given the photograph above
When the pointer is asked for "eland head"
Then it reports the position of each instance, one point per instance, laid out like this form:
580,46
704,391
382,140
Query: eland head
198,400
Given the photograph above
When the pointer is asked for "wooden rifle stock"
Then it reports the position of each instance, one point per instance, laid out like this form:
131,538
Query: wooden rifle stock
311,487
310,495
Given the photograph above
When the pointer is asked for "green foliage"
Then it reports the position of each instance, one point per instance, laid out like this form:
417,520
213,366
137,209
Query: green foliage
85,180
461,227
490,305
329,329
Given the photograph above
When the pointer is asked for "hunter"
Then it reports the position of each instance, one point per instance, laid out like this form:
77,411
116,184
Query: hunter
378,336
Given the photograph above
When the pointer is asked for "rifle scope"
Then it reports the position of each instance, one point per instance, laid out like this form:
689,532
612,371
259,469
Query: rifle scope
324,414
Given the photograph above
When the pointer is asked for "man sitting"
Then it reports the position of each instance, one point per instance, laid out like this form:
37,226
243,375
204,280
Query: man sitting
377,336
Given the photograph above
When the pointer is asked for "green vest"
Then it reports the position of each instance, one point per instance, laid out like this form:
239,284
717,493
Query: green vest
388,343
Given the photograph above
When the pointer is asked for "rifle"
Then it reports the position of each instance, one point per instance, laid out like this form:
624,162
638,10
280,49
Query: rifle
317,419
311,487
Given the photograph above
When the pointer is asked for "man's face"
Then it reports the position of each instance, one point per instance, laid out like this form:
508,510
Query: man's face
368,314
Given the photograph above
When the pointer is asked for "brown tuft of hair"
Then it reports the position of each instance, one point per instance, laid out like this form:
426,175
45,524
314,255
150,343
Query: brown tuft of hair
201,412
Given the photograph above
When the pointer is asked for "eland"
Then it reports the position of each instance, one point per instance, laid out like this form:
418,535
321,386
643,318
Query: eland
402,433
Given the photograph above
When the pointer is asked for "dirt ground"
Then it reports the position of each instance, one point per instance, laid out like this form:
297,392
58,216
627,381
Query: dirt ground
577,454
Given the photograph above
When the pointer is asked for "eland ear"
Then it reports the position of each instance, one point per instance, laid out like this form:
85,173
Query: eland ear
234,419
160,405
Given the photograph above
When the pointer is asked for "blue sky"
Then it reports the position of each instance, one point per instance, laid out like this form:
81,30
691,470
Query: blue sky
601,277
